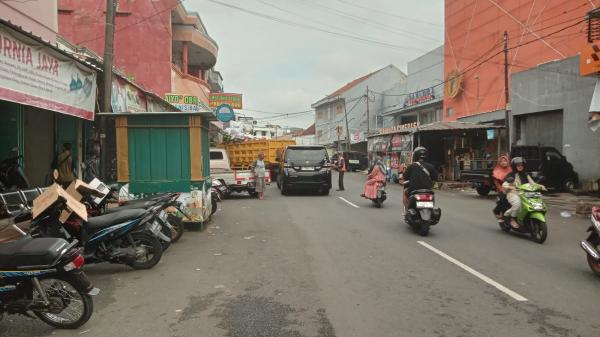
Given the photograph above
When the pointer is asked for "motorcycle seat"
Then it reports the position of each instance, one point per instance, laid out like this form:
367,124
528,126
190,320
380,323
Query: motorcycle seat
31,252
421,192
137,205
106,220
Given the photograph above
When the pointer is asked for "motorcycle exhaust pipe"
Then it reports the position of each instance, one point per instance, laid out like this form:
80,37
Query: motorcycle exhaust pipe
590,250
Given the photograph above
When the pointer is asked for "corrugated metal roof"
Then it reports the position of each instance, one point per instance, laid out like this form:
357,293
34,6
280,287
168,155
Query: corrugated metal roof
446,126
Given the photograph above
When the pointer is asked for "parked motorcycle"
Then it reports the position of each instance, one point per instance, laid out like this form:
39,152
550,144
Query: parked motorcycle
591,245
422,213
44,276
128,237
532,216
11,175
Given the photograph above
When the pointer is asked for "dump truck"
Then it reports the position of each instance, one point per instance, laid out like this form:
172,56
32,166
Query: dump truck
231,163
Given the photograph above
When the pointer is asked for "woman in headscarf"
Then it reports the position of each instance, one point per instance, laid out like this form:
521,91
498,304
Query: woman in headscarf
499,173
375,178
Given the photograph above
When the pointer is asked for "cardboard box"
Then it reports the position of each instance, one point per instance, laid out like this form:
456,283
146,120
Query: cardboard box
54,195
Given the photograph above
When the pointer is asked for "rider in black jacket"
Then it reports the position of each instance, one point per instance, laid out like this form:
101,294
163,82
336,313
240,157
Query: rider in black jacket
419,175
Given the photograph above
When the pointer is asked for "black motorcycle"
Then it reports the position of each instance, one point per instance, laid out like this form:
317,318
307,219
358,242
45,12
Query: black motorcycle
12,176
128,237
44,276
422,213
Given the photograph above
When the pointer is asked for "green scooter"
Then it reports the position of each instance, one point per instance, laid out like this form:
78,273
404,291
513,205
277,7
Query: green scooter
532,217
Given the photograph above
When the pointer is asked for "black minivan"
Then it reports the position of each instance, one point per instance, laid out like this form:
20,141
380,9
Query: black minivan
304,167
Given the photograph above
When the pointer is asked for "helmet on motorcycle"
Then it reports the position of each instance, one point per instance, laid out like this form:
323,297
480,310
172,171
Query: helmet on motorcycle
420,153
517,161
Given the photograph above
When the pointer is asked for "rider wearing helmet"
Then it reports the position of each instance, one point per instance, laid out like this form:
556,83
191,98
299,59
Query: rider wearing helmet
513,180
419,175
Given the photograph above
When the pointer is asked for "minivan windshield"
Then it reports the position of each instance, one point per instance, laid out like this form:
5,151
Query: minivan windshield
299,156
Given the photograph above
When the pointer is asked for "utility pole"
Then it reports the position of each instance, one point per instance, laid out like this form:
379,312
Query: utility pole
338,131
368,117
109,35
506,93
347,130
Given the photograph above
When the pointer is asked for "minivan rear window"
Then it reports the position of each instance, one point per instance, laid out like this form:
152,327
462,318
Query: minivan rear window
302,155
216,155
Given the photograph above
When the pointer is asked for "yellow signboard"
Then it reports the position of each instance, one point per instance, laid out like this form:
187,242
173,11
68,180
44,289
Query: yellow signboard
217,99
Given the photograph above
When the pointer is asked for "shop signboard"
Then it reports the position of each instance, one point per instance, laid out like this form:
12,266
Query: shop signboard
419,97
224,113
35,74
400,142
409,127
217,99
127,98
357,137
187,103
379,144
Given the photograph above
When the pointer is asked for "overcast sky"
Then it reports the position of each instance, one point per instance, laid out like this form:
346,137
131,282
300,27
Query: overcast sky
284,68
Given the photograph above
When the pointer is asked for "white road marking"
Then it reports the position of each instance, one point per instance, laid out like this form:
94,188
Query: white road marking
348,202
474,272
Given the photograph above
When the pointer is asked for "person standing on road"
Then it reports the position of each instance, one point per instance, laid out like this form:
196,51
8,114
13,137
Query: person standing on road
65,166
259,169
341,166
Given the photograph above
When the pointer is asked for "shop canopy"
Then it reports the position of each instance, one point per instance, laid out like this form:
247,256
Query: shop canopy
454,126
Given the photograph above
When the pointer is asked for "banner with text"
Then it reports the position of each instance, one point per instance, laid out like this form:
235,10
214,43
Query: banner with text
35,74
218,99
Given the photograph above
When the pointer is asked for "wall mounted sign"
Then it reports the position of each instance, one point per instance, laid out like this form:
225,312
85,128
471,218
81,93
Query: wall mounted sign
217,99
453,84
35,74
419,97
224,113
399,128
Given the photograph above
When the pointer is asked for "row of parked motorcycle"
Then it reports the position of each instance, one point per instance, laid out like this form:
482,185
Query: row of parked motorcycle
41,275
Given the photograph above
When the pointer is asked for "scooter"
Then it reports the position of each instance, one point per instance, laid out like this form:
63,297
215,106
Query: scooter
422,213
532,216
128,237
381,196
591,245
44,276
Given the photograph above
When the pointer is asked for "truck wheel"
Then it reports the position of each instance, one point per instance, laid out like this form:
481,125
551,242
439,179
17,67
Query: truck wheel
483,190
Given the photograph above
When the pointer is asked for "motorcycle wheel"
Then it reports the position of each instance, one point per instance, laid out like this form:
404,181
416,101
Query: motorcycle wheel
423,230
177,223
73,308
594,265
539,230
148,251
504,226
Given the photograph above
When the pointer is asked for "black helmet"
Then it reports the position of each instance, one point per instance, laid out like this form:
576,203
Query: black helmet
420,153
516,161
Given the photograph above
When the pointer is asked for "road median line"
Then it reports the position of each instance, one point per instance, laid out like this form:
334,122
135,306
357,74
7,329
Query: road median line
474,272
348,202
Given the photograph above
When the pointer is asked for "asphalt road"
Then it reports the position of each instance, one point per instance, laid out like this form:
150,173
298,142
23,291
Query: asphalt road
310,266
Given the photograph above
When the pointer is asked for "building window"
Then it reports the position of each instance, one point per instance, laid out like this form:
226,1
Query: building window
450,112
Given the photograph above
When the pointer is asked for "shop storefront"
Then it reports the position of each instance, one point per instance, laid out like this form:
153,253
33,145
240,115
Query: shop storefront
47,98
453,146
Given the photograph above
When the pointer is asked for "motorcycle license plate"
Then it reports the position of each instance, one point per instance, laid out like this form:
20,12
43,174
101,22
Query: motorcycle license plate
353,161
424,204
